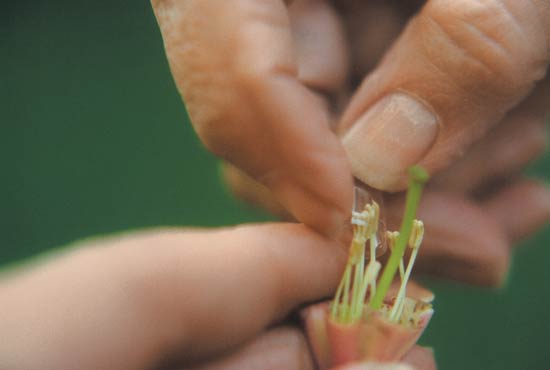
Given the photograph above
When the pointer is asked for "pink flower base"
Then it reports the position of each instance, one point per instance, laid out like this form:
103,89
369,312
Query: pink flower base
372,339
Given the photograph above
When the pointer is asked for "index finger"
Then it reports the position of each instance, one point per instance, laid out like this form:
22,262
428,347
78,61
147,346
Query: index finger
234,65
132,301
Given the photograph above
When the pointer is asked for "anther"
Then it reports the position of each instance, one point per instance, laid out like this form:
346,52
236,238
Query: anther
417,234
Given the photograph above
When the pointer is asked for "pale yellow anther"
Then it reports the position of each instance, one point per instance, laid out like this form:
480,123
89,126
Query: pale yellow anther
358,277
361,222
391,238
372,271
417,234
356,250
373,212
377,210
360,219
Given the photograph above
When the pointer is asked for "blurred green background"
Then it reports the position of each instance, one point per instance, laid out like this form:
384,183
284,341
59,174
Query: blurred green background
95,140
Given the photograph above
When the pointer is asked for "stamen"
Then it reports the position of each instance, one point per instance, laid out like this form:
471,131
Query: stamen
417,235
374,213
391,237
357,218
373,269
349,301
359,278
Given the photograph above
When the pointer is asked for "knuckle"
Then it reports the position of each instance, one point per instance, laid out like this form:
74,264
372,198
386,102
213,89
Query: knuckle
256,75
212,107
252,64
211,134
249,74
496,40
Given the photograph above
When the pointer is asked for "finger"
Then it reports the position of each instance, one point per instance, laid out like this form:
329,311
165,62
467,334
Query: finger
320,45
235,66
321,52
371,28
376,366
504,152
521,208
461,242
474,244
128,302
246,188
280,348
458,67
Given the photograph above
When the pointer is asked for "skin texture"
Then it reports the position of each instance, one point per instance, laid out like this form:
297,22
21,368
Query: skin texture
484,81
269,86
264,79
138,301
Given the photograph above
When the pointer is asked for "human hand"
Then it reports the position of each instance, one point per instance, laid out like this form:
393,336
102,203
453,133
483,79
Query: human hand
264,82
164,299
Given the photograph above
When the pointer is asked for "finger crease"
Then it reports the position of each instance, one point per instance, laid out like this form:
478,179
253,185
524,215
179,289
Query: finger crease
452,40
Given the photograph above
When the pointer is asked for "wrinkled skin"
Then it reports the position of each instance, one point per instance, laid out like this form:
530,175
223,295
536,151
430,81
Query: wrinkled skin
271,87
264,82
491,124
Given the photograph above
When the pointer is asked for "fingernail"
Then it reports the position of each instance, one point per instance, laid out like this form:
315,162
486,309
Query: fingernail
395,133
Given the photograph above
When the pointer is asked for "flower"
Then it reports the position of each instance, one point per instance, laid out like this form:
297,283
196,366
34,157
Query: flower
367,320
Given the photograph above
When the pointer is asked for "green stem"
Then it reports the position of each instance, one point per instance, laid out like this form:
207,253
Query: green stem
417,178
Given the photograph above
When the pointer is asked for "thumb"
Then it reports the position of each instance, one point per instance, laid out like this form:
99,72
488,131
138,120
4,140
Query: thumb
456,70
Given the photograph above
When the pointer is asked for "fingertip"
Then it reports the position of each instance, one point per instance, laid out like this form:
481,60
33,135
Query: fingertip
520,208
317,190
441,86
325,217
395,133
